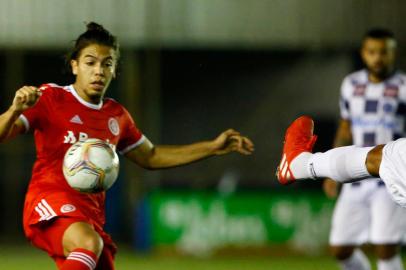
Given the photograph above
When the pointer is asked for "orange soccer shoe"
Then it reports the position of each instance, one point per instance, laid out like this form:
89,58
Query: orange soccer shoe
299,138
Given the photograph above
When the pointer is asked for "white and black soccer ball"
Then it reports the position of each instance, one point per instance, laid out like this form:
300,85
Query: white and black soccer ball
90,166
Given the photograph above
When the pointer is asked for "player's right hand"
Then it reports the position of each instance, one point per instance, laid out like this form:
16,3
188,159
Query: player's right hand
330,188
25,98
232,141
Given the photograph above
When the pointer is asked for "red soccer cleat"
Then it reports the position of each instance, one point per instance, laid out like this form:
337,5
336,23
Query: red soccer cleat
299,138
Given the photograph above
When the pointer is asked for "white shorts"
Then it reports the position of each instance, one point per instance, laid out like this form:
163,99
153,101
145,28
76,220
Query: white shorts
365,212
393,170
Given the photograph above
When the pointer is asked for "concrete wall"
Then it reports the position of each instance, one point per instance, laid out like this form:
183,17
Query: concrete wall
200,23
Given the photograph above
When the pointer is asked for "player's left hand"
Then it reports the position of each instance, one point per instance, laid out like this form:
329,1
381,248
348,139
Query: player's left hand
232,141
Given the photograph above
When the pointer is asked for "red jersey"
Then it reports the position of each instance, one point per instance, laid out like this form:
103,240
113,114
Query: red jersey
59,119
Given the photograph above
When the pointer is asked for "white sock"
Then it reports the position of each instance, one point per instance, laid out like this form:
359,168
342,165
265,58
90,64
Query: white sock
392,170
299,166
343,164
357,261
394,263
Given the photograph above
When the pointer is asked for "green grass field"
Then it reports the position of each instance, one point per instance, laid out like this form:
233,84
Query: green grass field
23,258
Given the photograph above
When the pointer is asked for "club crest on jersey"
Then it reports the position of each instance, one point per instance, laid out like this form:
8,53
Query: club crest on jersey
66,208
113,126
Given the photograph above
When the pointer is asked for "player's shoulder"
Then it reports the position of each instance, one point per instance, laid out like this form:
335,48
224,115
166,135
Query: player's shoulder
357,77
398,78
116,109
49,87
398,81
111,102
114,106
52,92
354,80
53,89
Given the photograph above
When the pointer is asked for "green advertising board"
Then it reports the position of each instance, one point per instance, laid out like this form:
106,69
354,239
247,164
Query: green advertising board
202,222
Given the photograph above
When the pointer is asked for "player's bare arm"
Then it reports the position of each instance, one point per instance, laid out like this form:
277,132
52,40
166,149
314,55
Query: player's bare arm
343,138
10,125
164,156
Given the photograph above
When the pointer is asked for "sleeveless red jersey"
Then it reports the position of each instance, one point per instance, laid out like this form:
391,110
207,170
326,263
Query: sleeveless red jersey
59,119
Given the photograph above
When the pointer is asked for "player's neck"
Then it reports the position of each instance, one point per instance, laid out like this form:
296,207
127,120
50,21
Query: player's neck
82,94
378,78
375,79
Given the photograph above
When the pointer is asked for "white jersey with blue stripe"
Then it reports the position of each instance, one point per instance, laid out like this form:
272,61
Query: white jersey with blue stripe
377,111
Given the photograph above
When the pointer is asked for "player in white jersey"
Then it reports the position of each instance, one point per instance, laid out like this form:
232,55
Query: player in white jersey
372,105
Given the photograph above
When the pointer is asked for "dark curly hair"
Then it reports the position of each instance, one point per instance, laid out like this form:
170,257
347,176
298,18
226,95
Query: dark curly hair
379,33
94,34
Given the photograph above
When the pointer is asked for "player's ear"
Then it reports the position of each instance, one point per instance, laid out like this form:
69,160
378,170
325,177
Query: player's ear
74,66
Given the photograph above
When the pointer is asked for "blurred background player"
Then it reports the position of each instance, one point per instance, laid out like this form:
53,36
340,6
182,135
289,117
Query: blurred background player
372,112
67,224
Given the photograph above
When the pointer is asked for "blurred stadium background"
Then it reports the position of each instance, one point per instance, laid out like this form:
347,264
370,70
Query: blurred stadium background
190,69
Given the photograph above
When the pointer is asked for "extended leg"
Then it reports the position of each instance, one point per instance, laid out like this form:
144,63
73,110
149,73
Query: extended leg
343,164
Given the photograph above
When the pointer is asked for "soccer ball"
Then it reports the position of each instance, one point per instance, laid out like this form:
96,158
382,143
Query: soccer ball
90,166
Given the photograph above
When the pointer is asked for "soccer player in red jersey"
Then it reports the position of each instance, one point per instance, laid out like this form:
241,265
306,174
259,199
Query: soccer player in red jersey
65,223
